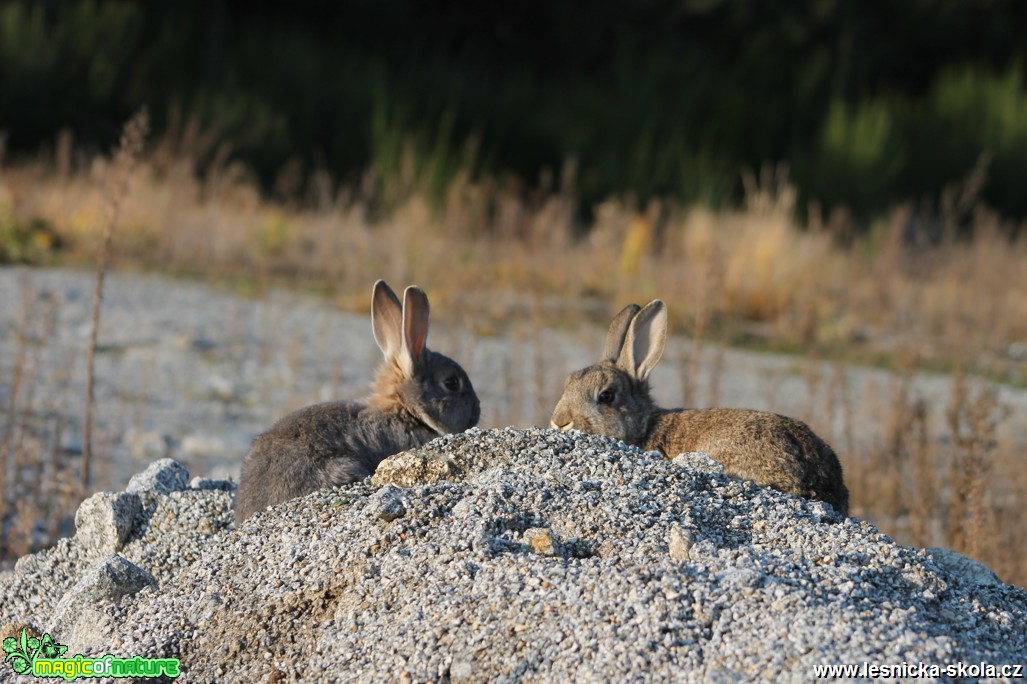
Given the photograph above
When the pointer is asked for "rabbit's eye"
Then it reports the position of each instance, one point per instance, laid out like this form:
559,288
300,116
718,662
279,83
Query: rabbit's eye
452,383
606,396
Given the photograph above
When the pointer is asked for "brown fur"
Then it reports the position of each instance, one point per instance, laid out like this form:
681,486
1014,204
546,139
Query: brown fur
417,395
612,398
767,448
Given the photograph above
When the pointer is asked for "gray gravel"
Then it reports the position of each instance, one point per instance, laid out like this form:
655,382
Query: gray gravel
153,526
521,555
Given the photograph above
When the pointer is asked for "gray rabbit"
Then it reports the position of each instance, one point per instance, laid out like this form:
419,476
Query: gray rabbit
612,398
416,396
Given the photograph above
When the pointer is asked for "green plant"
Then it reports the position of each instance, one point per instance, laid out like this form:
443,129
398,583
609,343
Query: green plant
22,654
858,156
27,242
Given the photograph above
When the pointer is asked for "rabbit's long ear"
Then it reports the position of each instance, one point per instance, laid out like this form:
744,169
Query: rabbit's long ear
416,314
386,320
618,329
645,339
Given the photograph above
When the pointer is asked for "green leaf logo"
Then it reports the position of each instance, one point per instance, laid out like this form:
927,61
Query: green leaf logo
18,653
21,654
19,663
50,648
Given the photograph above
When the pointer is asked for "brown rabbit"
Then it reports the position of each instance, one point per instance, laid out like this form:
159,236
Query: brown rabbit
418,395
612,398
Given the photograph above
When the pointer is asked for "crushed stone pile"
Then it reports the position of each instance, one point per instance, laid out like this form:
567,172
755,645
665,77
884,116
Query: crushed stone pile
508,555
161,523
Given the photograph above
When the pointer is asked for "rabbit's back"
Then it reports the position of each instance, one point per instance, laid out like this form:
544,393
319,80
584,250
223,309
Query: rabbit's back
767,448
320,446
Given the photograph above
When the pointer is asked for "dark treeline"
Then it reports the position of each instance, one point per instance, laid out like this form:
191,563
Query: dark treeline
868,103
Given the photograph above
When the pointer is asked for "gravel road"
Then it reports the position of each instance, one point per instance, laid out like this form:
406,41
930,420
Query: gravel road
194,372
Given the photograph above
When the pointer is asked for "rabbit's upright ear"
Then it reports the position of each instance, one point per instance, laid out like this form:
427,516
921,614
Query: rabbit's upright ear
645,339
618,330
386,320
416,314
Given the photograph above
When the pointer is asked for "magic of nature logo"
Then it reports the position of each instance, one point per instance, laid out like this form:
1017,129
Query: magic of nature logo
44,657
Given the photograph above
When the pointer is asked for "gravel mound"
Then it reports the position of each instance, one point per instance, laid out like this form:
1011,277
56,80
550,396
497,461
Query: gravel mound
518,555
160,525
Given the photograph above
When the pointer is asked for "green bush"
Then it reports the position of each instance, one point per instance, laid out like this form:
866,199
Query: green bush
33,242
859,156
984,114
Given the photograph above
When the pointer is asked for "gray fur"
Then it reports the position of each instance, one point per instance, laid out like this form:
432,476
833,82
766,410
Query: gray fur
334,443
612,398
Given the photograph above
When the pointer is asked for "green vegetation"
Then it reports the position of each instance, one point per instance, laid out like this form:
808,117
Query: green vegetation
868,104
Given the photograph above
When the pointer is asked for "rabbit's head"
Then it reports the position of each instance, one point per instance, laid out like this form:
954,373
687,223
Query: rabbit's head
612,397
427,386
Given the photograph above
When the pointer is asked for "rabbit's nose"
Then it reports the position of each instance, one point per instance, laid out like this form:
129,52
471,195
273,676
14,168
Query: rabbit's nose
562,419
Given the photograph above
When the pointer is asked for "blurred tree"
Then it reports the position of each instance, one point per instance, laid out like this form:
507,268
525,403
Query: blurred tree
868,102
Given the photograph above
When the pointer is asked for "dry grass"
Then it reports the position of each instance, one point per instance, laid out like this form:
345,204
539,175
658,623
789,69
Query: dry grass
742,274
934,470
123,164
499,254
36,475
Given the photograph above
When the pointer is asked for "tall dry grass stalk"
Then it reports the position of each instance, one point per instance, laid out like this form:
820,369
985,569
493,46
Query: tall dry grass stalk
33,469
122,167
12,425
972,419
